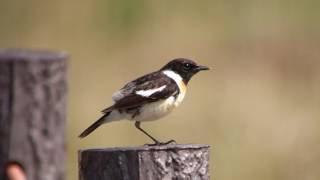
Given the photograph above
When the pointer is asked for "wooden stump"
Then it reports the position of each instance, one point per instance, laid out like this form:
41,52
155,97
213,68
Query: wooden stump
33,112
180,162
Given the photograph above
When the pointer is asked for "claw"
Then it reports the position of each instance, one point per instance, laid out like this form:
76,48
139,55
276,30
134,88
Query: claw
161,143
171,142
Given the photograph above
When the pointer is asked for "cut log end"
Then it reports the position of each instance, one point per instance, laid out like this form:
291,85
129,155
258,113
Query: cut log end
31,55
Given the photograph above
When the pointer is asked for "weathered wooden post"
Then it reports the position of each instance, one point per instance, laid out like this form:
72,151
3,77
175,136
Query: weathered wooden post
175,161
33,112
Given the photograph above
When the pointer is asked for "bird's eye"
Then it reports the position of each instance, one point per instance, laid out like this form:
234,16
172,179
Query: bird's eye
187,66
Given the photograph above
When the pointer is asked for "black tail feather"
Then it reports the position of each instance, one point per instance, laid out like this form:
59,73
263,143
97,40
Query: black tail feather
94,126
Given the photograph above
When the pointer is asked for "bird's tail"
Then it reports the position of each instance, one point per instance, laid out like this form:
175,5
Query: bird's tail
95,125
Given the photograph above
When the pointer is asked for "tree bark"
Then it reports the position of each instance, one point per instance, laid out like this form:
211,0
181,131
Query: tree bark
33,89
180,162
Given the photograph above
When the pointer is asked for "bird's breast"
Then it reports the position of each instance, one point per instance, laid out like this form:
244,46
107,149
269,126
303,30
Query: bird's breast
156,110
182,93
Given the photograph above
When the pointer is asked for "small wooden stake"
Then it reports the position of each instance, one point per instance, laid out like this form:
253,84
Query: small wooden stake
33,87
175,161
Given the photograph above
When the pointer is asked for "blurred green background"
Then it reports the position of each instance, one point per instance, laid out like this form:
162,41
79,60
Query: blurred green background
258,108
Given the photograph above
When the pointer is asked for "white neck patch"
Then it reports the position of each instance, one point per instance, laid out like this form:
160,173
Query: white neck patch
176,77
149,92
182,87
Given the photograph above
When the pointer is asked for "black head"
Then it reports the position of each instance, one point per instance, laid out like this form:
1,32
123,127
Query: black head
186,68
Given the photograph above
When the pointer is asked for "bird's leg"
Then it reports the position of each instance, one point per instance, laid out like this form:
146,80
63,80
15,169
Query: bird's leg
137,124
156,142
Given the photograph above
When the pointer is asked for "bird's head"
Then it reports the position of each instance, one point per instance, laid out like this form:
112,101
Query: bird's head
186,68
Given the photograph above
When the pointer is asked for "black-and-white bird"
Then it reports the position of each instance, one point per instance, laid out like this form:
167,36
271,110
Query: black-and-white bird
151,96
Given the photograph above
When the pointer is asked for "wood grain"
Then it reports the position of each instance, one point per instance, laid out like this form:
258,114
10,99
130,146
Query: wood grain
33,111
185,162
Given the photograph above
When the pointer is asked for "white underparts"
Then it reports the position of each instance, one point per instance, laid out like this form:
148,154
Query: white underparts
156,110
149,92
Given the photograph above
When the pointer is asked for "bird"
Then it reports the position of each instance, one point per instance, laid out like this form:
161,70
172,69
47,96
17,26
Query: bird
150,97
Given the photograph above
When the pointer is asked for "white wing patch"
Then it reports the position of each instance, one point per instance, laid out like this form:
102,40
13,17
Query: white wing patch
149,92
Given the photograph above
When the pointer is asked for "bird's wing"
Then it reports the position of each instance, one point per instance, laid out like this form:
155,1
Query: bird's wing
148,88
138,83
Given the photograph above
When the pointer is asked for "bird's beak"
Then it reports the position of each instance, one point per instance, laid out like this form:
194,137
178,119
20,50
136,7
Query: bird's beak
201,68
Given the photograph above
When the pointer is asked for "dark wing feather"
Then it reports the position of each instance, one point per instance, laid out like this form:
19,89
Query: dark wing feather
148,81
129,98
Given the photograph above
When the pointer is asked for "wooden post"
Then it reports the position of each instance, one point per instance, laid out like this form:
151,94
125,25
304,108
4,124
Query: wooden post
33,112
181,162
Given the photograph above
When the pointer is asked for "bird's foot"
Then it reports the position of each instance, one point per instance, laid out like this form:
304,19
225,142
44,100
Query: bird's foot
158,143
